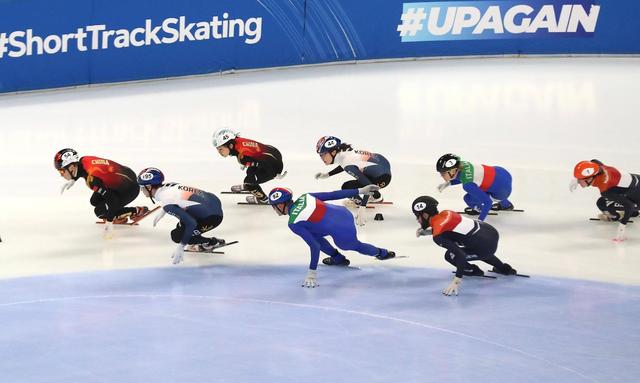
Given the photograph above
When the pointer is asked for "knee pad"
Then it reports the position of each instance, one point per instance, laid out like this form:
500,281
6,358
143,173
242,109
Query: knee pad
470,201
384,181
350,185
448,256
100,211
176,235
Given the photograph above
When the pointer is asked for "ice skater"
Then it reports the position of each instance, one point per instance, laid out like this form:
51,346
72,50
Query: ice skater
464,238
481,182
312,219
262,162
619,192
198,211
114,186
367,168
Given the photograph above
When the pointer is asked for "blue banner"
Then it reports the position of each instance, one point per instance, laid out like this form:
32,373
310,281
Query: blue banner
45,44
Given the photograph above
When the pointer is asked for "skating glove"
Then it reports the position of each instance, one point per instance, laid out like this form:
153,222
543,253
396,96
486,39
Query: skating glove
108,230
360,216
453,287
443,186
422,231
321,176
369,189
573,185
158,217
311,281
620,236
177,255
67,185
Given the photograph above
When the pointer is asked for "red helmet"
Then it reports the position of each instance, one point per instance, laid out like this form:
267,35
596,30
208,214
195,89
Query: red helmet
586,169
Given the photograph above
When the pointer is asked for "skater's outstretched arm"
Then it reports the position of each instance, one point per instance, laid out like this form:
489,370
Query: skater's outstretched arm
335,171
338,194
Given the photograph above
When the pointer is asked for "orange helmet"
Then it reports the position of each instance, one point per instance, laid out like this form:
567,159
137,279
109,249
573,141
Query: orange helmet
586,169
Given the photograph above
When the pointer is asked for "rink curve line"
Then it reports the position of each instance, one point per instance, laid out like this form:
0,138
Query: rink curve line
307,306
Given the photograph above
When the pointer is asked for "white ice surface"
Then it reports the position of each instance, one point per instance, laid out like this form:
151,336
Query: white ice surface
70,312
536,117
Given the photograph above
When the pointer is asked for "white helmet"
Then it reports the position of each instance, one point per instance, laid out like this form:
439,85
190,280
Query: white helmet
222,136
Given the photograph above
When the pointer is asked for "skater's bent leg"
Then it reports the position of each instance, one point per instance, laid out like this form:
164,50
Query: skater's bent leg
177,233
326,247
470,201
493,261
351,242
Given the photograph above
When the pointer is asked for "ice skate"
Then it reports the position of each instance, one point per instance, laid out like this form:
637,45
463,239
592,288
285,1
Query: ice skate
498,206
237,188
352,203
384,255
213,244
336,261
140,212
473,271
471,211
253,200
373,199
194,248
506,269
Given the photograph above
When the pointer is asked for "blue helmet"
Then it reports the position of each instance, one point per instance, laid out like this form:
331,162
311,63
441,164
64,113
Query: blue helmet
150,176
327,144
280,195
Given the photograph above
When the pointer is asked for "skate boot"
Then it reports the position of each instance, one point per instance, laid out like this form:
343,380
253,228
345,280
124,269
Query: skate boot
336,260
473,271
505,270
237,188
498,206
194,248
385,254
607,217
471,211
373,199
352,203
213,243
121,219
140,212
252,199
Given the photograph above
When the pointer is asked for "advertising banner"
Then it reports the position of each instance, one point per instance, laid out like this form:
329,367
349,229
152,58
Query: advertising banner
45,44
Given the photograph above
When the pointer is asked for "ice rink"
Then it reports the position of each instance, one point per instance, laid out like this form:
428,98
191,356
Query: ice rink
78,308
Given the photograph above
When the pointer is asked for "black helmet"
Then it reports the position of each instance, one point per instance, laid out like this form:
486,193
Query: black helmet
424,204
64,158
447,162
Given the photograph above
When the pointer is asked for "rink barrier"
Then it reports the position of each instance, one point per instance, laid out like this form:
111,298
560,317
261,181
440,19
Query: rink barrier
45,44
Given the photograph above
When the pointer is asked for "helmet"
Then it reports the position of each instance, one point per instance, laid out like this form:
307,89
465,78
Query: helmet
586,169
424,204
327,144
222,136
280,195
64,158
150,176
447,162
